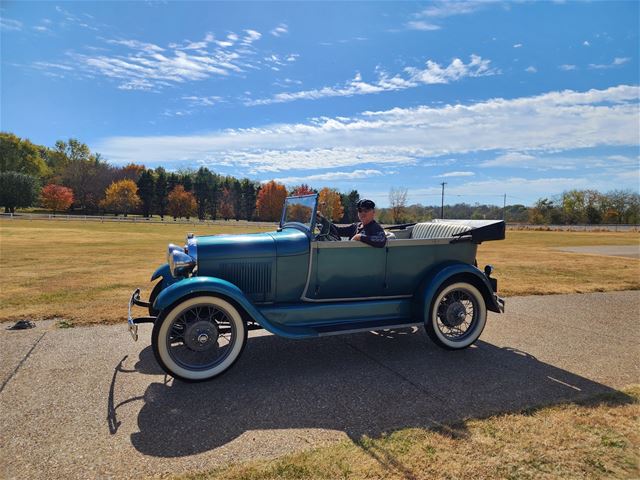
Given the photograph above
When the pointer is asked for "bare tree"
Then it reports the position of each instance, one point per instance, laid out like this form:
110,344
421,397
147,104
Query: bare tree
397,203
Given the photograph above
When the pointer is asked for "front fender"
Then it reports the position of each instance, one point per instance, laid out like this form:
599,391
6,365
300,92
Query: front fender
162,271
454,272
218,286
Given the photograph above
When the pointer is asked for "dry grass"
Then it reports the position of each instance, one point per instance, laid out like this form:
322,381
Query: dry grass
595,439
84,271
527,263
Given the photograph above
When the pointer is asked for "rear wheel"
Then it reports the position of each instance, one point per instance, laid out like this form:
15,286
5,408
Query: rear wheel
199,338
457,317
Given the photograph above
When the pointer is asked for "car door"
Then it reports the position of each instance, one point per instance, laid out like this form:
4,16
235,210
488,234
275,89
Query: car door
346,270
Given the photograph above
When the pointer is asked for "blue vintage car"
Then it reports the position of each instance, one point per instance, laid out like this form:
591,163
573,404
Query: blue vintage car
302,281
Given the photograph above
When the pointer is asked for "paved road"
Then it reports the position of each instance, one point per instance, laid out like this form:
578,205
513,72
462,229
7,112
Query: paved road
90,403
631,251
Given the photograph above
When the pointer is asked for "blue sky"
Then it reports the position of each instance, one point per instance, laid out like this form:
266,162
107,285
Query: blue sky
526,99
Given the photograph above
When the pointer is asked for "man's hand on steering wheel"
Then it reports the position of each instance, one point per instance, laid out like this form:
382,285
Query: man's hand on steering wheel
327,229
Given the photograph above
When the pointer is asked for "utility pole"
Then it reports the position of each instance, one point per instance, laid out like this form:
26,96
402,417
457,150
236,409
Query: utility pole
442,203
504,208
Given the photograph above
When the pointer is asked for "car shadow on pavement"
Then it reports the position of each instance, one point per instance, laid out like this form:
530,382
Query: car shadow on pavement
360,384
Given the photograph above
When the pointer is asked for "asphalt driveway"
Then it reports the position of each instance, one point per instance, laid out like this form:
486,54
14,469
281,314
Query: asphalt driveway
90,403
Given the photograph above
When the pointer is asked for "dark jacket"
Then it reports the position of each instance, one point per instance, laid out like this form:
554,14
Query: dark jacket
371,233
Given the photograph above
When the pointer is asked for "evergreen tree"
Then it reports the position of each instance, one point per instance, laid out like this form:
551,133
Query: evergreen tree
161,192
146,191
249,197
201,186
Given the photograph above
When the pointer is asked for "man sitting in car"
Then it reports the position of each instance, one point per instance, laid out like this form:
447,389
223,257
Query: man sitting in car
367,230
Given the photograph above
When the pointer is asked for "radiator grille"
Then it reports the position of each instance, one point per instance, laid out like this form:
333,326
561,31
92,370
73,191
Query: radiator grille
251,278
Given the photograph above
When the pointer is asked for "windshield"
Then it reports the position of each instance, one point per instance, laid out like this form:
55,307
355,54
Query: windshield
300,210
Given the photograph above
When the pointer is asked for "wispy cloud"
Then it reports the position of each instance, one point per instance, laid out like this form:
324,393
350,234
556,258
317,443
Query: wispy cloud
330,177
432,73
528,126
442,9
618,61
456,174
531,69
567,67
147,66
8,25
427,18
196,101
517,45
280,30
422,25
544,162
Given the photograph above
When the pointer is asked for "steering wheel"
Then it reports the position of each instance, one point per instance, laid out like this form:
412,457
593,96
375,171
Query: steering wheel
328,231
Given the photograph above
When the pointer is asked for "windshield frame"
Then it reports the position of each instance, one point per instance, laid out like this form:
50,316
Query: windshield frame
298,225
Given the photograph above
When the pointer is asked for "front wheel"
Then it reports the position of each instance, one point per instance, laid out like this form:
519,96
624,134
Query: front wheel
457,316
199,338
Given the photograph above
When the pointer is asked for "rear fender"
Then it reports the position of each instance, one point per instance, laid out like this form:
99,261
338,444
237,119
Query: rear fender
453,272
211,285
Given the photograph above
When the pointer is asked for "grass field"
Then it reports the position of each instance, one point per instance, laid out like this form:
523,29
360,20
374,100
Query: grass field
85,272
595,439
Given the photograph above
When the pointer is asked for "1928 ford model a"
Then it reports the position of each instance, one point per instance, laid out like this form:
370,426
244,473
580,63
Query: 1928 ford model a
299,283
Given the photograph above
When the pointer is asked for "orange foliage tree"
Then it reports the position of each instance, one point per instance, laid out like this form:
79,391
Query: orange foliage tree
121,197
56,197
329,204
270,201
181,203
303,189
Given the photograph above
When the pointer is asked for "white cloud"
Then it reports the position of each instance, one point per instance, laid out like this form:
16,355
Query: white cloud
531,69
280,30
542,162
586,43
532,126
517,45
330,177
441,9
196,101
455,174
7,24
422,25
147,66
615,63
620,61
567,67
432,73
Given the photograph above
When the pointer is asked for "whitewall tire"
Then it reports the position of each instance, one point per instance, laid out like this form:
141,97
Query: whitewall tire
199,338
457,316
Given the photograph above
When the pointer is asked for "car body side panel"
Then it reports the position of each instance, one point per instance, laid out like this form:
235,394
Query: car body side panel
409,261
346,270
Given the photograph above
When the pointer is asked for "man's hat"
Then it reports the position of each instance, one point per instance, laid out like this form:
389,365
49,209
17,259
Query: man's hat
366,204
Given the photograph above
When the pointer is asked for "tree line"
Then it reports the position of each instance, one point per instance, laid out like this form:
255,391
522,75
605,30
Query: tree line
70,178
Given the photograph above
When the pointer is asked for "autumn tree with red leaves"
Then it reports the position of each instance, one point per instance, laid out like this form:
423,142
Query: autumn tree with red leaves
56,197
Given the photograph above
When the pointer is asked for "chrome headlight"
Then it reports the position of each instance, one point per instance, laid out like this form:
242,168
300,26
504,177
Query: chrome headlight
173,248
180,263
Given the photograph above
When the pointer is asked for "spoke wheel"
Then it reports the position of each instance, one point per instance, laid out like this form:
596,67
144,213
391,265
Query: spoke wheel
457,317
199,338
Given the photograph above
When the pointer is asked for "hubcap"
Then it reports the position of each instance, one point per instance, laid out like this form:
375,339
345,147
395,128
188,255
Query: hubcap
455,315
201,335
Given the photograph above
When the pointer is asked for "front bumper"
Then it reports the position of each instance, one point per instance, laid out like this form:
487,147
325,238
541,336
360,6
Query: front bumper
499,302
133,322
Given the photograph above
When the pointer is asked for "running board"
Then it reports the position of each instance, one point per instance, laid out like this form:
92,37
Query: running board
336,328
